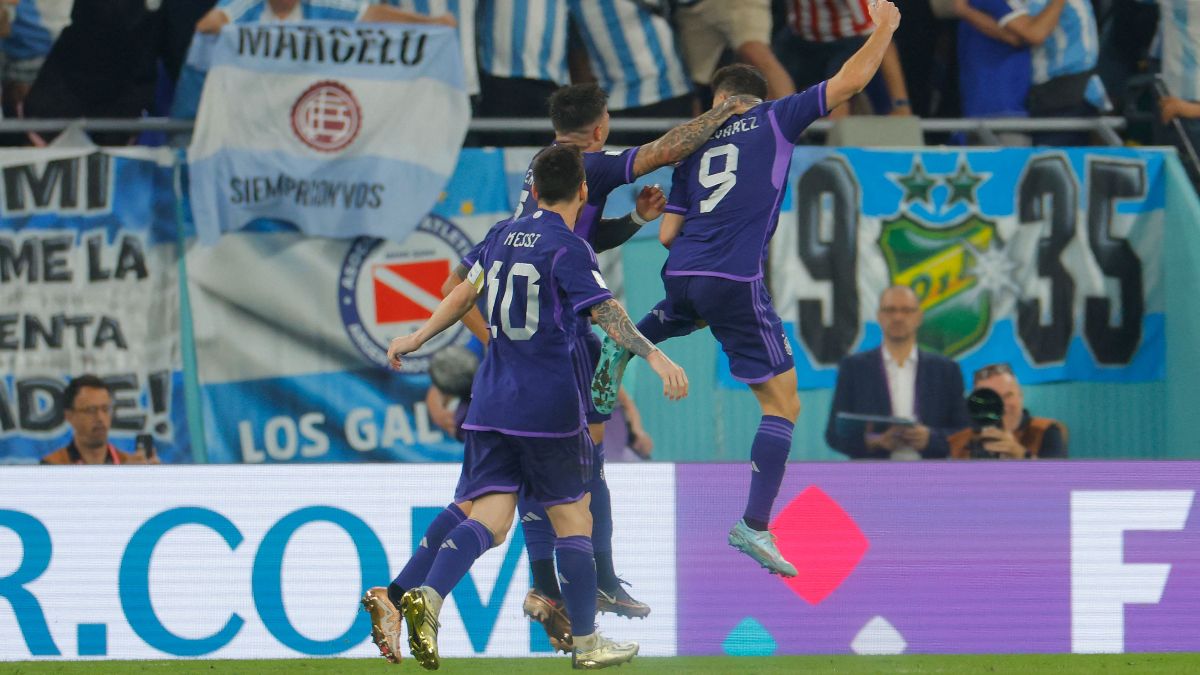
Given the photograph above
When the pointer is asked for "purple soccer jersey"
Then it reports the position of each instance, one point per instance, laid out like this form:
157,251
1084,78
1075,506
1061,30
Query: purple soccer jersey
537,278
730,190
605,171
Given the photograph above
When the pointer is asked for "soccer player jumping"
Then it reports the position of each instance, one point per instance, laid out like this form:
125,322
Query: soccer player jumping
723,209
526,425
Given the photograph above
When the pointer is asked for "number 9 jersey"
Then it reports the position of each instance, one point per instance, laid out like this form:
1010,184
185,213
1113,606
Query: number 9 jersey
730,190
536,278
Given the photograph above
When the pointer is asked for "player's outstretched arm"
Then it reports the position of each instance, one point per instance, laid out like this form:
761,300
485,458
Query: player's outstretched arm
686,138
451,309
612,319
858,70
473,319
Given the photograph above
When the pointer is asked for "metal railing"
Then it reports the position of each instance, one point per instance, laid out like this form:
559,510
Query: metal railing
986,131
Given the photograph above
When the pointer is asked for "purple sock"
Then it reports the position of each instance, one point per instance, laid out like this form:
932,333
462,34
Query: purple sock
418,565
768,461
657,328
602,531
578,569
458,552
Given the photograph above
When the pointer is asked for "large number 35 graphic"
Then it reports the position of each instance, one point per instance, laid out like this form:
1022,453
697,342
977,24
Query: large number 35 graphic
1047,198
525,277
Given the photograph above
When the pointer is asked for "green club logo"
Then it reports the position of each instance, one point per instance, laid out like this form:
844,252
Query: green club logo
950,266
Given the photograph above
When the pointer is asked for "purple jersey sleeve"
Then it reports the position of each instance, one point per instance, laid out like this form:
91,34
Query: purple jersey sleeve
578,274
794,113
608,170
677,201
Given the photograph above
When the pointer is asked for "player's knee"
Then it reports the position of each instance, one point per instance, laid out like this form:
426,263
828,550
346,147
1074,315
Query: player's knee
499,534
791,406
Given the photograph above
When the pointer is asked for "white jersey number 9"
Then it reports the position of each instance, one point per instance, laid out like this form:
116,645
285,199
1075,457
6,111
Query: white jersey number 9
723,180
532,308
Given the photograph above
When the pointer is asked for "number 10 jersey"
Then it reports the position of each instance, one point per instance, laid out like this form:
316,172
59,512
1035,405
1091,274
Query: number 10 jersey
536,277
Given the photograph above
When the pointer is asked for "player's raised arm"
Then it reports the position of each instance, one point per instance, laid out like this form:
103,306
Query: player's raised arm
451,309
686,138
858,70
612,319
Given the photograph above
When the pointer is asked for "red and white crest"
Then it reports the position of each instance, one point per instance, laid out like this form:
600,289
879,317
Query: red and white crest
327,117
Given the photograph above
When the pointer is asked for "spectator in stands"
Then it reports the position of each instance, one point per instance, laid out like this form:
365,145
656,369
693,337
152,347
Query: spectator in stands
708,27
104,64
1019,436
631,50
88,407
1063,39
35,25
821,34
522,61
1179,28
463,12
898,379
994,67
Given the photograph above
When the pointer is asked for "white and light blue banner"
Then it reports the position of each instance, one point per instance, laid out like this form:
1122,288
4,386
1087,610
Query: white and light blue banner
337,130
292,332
1047,259
89,284
229,563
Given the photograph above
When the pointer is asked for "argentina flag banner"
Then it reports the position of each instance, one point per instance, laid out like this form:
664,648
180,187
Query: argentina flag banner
334,129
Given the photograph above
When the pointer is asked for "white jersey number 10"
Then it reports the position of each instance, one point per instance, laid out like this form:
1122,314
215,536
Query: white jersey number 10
723,180
532,308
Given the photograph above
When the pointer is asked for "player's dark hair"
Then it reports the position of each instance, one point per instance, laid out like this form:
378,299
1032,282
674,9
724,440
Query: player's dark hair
557,173
577,107
81,382
739,79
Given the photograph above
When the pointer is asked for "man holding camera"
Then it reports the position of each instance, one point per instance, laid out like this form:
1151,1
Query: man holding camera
1005,429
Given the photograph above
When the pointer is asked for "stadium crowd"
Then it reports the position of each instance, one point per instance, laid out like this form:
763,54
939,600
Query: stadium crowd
951,58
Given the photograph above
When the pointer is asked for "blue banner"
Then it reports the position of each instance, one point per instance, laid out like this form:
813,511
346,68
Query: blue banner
337,132
1047,259
292,332
89,284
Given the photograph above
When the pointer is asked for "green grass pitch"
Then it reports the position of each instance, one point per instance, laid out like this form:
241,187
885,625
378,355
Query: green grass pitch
1059,664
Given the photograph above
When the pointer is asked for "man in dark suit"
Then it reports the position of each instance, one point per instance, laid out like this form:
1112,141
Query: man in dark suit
899,380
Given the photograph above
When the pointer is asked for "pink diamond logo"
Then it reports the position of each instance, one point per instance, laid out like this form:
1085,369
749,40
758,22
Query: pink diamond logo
823,542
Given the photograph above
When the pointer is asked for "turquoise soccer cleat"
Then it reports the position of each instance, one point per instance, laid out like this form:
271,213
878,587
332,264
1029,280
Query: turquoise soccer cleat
760,545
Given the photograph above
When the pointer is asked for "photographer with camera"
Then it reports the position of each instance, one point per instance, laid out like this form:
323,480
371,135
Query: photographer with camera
1001,427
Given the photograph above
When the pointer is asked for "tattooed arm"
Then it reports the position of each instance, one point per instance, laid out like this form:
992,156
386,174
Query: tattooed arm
612,319
686,138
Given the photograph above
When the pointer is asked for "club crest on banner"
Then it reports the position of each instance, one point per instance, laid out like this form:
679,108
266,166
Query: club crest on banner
946,264
387,289
327,116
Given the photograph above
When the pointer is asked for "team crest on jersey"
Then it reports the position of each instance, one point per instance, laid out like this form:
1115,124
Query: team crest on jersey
949,265
327,116
387,289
